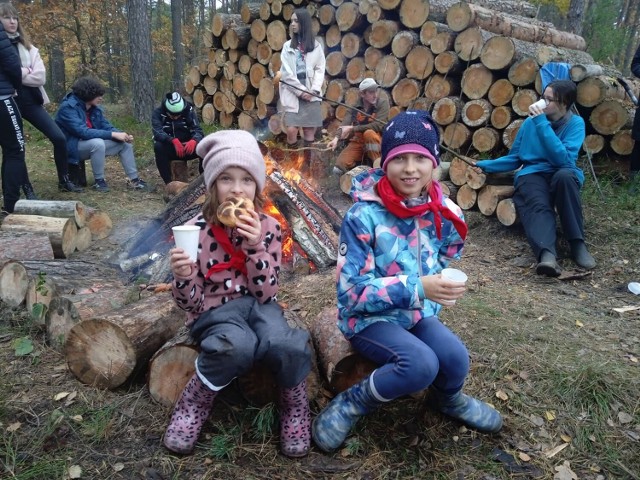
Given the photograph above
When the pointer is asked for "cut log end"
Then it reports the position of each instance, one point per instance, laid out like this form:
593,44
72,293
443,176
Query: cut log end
100,354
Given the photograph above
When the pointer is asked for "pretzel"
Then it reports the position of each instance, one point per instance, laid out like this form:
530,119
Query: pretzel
229,210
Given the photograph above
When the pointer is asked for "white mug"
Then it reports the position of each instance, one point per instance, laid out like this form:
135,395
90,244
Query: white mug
542,103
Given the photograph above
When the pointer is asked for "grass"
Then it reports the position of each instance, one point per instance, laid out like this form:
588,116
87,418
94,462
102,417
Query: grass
551,355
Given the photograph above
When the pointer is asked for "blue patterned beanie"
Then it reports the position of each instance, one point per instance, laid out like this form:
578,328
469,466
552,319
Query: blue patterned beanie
413,131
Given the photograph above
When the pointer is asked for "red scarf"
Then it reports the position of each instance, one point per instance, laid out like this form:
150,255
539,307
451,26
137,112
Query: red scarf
238,258
395,204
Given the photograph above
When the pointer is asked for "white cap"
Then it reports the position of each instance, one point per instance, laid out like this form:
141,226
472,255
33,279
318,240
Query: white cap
367,83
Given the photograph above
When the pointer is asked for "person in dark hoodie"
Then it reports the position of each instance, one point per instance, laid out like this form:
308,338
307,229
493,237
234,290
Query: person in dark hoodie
32,98
176,133
14,168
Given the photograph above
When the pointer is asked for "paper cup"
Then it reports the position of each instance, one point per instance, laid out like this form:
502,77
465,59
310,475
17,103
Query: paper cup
542,103
187,238
454,275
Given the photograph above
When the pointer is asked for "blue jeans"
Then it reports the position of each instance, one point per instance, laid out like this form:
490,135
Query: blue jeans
411,360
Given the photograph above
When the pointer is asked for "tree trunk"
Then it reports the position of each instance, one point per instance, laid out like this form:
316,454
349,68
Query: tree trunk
476,112
506,212
341,365
469,43
439,86
276,34
348,18
523,72
40,291
464,15
99,223
413,13
593,143
458,172
466,197
485,139
382,33
501,117
14,282
405,92
622,142
448,63
25,246
389,71
176,41
61,231
522,100
141,66
501,92
608,117
594,90
419,62
403,43
446,110
510,132
498,53
490,195
53,208
476,81
105,351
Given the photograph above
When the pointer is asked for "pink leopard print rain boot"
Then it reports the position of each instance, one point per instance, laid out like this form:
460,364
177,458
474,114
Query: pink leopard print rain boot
191,411
295,421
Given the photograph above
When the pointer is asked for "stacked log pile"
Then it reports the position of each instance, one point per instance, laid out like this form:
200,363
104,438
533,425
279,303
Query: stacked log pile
477,69
48,229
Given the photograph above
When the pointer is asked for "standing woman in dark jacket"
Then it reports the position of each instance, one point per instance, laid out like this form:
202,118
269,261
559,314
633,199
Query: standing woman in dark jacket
14,169
32,97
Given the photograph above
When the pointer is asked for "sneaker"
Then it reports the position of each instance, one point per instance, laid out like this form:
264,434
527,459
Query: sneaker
101,185
138,184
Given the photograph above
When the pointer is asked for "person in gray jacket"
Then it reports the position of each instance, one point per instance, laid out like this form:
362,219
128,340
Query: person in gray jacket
14,169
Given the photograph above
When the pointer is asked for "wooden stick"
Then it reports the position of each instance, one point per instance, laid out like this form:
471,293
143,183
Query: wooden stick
468,160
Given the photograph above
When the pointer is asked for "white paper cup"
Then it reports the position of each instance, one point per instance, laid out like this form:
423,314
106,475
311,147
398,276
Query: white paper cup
542,103
187,238
454,275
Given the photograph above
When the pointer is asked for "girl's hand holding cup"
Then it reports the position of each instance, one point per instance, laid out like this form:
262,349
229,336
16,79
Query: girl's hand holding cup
180,262
537,108
445,288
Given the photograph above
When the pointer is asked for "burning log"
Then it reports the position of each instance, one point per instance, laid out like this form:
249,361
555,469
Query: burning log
313,223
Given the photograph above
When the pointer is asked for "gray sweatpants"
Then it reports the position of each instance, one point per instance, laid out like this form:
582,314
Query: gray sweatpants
238,334
97,149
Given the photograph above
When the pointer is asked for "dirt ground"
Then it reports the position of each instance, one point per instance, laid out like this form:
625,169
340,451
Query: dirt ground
551,354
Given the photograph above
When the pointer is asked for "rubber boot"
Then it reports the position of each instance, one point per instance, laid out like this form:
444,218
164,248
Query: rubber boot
66,185
29,193
189,414
548,265
470,411
331,427
77,174
295,421
581,255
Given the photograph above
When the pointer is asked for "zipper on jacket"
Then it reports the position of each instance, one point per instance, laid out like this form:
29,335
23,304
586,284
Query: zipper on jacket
419,248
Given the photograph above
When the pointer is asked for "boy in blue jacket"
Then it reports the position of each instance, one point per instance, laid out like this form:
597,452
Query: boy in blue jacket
91,136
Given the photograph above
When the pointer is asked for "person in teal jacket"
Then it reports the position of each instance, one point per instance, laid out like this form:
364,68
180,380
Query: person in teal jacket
547,178
394,243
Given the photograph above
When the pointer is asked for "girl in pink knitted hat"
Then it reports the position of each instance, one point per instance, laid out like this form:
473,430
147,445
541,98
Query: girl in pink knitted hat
229,295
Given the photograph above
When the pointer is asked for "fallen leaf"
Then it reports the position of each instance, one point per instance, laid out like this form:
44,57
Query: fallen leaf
555,450
77,418
565,438
524,457
13,427
536,420
524,375
579,323
118,467
75,471
564,472
502,395
59,396
550,415
624,418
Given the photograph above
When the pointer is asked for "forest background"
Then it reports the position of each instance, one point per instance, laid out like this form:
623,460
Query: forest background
142,48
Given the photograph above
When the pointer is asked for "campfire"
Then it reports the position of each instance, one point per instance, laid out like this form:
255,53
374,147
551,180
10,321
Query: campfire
310,226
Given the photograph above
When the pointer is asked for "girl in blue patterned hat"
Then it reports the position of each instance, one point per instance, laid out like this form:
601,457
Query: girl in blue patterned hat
394,242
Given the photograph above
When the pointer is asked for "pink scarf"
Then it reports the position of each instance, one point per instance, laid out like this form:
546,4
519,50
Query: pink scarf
395,204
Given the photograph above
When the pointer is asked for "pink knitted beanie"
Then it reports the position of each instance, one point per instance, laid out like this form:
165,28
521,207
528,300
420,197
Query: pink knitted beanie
231,148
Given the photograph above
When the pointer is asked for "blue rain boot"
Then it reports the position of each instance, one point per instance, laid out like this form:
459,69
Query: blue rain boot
470,411
331,427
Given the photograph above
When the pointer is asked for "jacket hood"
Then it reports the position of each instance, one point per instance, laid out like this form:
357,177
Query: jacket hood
363,186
